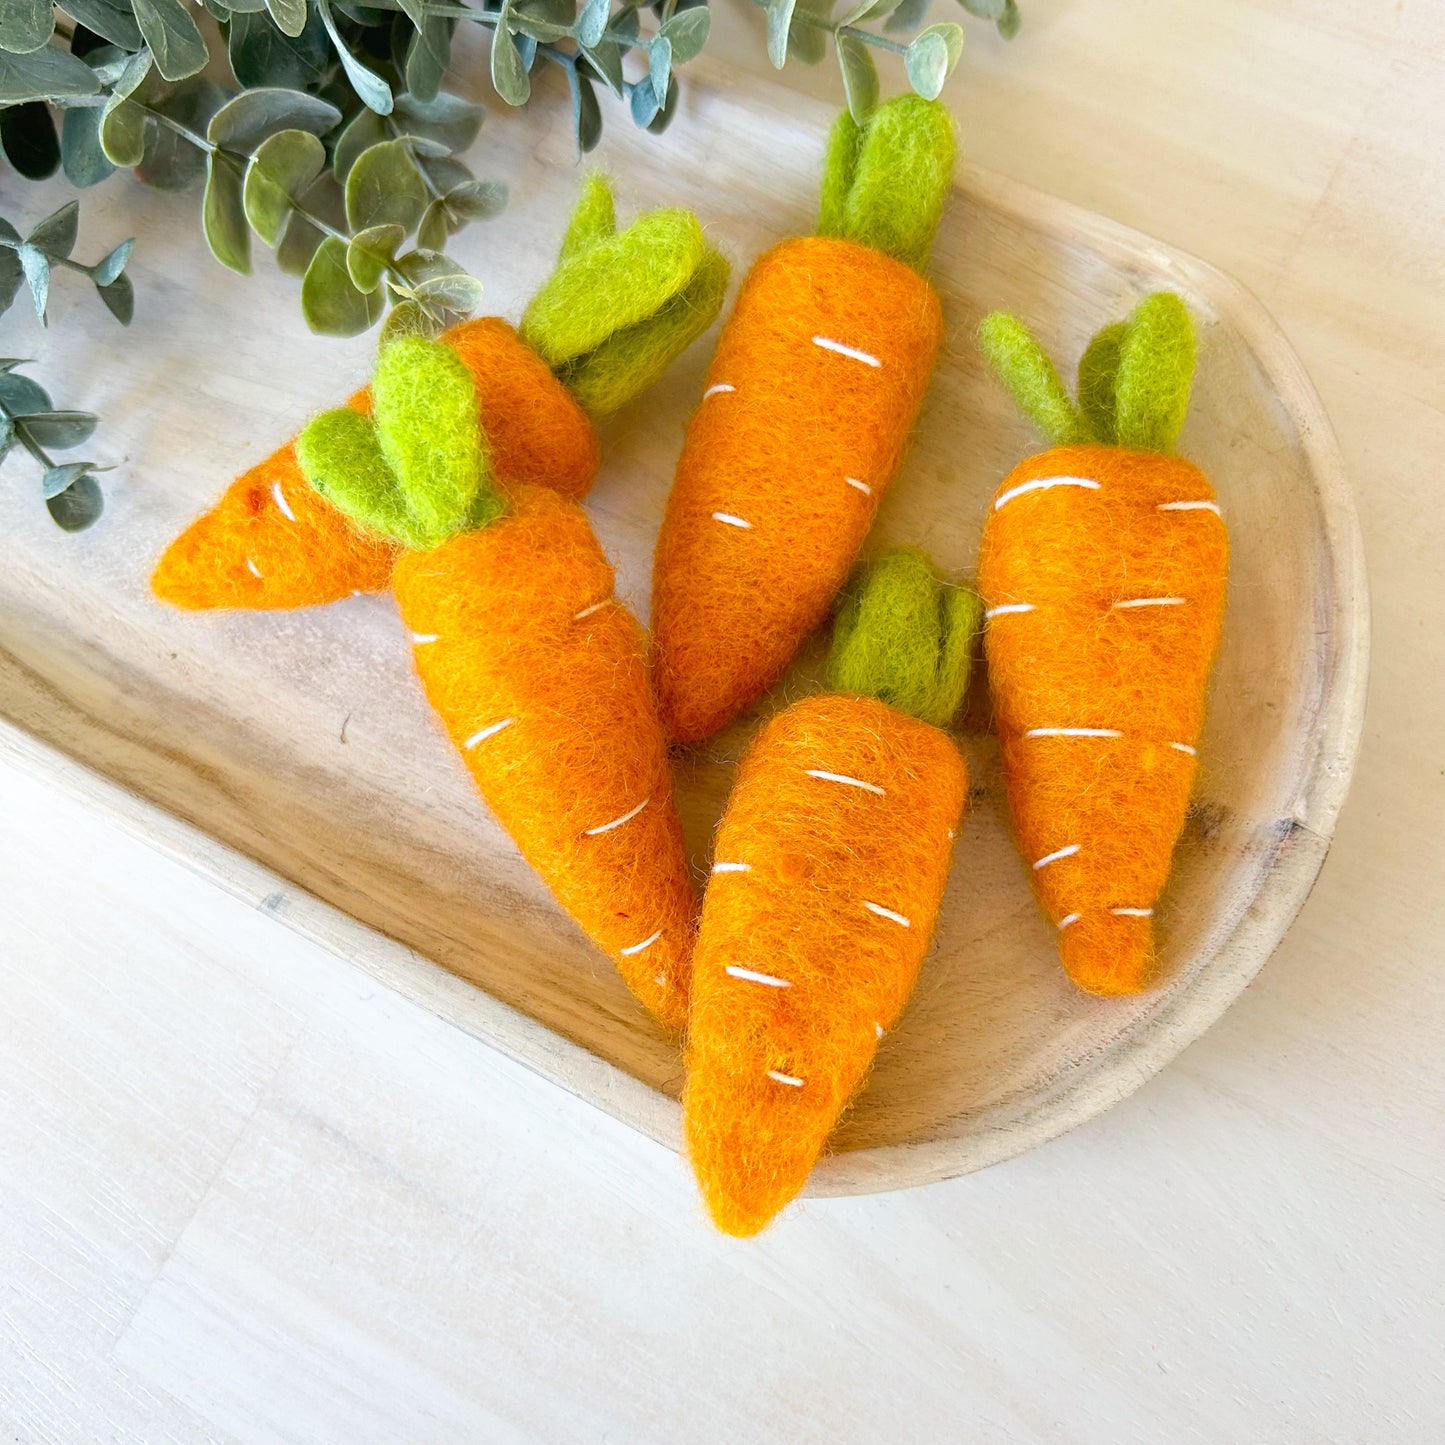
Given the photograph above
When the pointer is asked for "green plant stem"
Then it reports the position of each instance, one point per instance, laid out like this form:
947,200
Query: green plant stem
21,432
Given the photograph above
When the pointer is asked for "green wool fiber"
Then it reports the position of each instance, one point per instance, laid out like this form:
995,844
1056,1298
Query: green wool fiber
630,361
425,410
1156,374
885,183
904,637
594,217
341,457
1098,370
1025,369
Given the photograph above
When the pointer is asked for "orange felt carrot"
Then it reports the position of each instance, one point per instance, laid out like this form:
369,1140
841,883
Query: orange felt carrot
830,866
1103,568
808,403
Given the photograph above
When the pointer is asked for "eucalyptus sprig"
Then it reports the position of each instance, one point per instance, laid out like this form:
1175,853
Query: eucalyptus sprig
28,419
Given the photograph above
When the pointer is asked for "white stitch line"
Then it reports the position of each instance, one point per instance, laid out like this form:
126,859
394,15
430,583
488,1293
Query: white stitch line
1054,857
1185,748
785,1078
879,1029
660,980
751,975
640,947
1132,912
616,822
828,344
487,732
860,486
1073,733
731,520
732,867
1191,507
1042,484
883,912
588,611
827,777
282,502
420,637
254,570
1064,922
717,390
1150,602
1008,607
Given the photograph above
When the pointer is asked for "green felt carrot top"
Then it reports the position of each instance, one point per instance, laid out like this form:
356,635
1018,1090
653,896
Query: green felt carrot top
416,470
1135,377
906,637
885,182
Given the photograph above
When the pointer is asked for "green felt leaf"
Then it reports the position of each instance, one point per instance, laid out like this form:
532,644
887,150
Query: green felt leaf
57,233
243,123
27,136
383,187
1155,375
223,215
281,169
860,76
340,456
25,25
1098,370
172,36
1025,369
931,57
78,506
370,252
593,218
687,31
45,74
81,154
330,303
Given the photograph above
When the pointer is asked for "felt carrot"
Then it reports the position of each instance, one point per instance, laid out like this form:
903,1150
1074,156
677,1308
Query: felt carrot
815,385
536,669
616,311
830,865
1103,569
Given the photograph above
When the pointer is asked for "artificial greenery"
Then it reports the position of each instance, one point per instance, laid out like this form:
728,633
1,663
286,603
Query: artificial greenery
320,127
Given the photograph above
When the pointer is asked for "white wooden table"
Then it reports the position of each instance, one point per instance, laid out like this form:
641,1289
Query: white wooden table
246,1194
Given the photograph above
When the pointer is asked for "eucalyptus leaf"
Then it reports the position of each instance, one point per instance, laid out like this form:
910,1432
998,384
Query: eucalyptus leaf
25,25
538,26
61,430
420,266
659,67
86,164
123,132
860,76
56,234
687,33
7,434
444,173
172,37
12,275
606,60
49,73
371,89
112,264
58,478
427,57
223,215
478,200
22,397
459,293
281,168
384,188
78,506
592,22
435,228
586,113
324,200
809,43
509,71
1011,21
907,17
330,303
27,136
985,9
243,123
642,100
370,252
447,120
119,298
666,110
364,130
112,22
780,22
931,56
289,15
261,55
171,162
36,266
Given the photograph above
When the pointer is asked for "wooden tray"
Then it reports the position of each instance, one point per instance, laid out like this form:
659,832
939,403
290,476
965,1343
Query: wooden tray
292,758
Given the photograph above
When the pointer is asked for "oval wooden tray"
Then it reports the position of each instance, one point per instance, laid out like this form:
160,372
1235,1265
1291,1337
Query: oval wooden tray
291,756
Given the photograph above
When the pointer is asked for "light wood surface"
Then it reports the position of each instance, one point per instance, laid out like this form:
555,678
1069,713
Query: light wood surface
334,776
249,1194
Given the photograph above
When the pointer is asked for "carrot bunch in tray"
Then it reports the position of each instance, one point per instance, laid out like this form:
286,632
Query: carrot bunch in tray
1103,568
451,482
816,383
830,865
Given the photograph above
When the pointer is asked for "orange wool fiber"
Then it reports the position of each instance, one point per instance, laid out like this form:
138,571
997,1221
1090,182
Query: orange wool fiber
829,869
261,547
539,674
816,383
1103,573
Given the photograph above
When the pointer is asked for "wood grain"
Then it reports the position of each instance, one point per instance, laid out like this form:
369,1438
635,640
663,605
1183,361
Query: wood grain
301,742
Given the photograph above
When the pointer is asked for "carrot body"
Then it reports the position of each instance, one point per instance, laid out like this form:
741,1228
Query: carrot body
820,909
539,675
1103,571
272,542
815,385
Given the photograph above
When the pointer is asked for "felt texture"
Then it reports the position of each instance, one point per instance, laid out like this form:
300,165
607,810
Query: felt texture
771,1065
1098,369
538,434
546,696
905,637
1104,647
1155,375
620,305
1023,366
885,182
797,440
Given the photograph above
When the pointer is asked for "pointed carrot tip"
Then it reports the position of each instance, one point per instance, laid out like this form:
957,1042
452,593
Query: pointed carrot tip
1109,954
